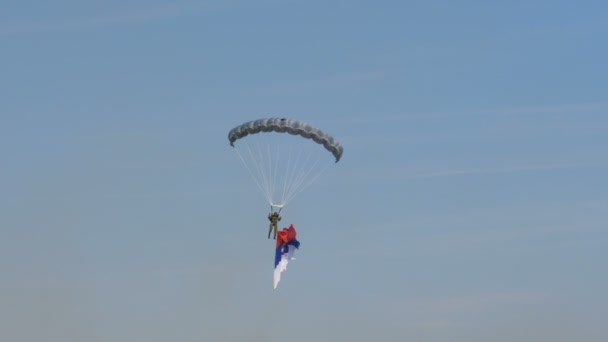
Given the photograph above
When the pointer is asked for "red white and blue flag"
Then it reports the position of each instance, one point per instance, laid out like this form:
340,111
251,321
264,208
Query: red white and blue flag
285,249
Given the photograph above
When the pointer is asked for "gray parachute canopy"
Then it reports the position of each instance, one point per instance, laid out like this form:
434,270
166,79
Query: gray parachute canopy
282,125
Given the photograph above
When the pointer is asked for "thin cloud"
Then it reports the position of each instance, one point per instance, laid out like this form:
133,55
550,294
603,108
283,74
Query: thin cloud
131,17
511,227
506,170
135,16
477,302
509,234
396,173
575,109
454,310
335,81
444,312
507,129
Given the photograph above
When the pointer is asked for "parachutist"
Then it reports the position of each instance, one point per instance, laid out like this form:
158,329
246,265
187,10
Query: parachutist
274,219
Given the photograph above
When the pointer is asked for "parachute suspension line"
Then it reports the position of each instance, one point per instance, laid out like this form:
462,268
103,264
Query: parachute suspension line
259,178
309,183
252,175
299,184
267,175
276,165
265,178
294,180
287,171
295,173
270,176
267,166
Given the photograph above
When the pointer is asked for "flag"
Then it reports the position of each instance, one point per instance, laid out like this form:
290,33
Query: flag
285,248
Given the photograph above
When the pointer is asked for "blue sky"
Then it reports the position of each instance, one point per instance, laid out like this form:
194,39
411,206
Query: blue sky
471,202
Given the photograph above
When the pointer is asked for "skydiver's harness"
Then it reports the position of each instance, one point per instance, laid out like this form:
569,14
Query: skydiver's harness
274,214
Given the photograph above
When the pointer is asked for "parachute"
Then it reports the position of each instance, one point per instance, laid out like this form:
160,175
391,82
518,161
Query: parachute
283,165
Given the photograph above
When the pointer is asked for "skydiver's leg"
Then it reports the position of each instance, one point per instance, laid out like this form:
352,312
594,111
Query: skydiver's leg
269,230
275,231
